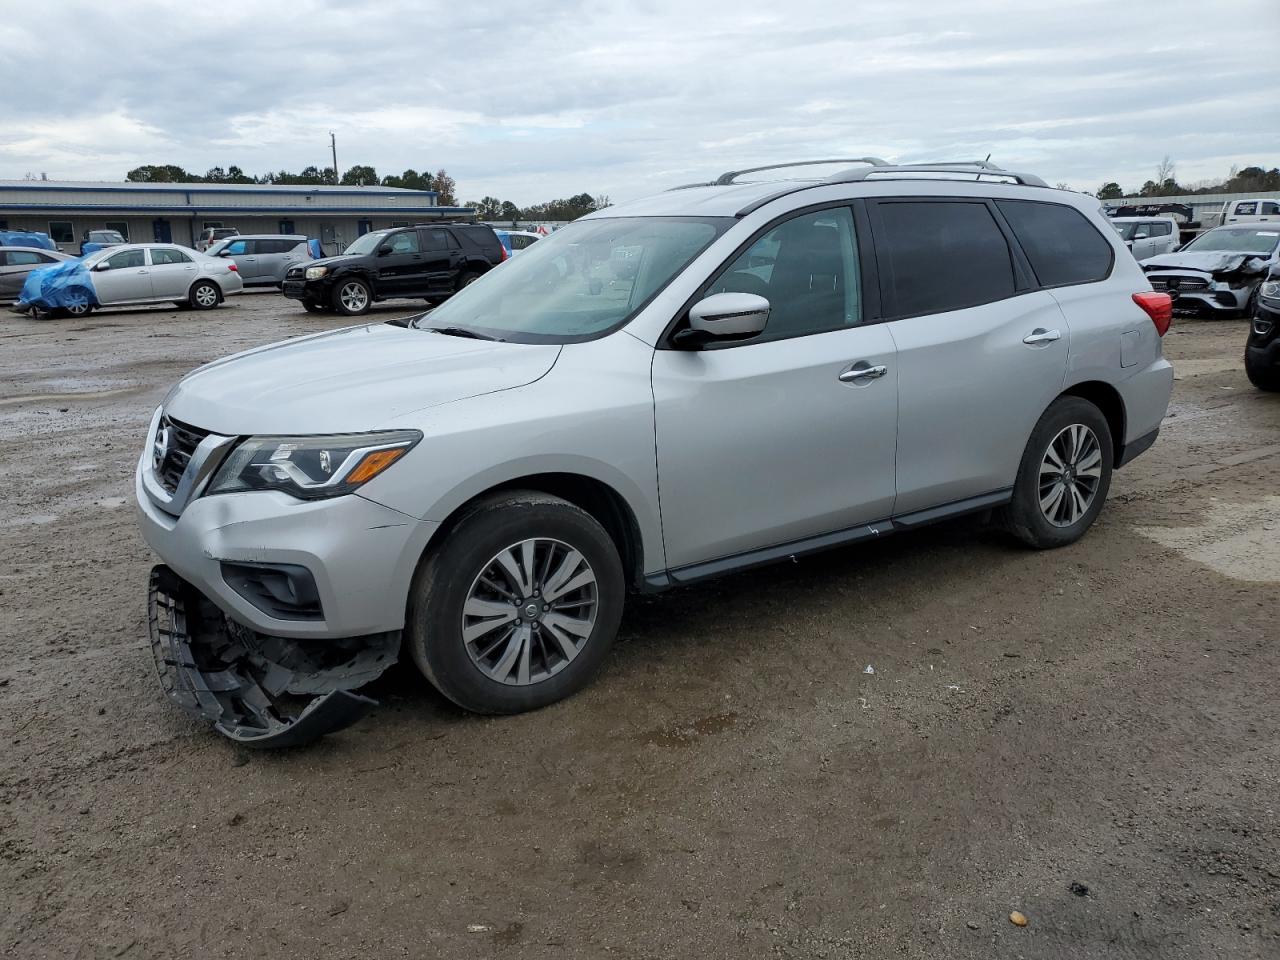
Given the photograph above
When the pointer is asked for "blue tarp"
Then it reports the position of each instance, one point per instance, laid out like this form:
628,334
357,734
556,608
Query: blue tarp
317,251
22,238
89,247
61,285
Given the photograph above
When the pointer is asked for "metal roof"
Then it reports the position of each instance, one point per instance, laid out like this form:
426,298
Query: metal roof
250,188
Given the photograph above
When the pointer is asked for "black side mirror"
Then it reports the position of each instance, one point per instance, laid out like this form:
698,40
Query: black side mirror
385,249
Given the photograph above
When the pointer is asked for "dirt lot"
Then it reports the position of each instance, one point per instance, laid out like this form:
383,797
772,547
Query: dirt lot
735,785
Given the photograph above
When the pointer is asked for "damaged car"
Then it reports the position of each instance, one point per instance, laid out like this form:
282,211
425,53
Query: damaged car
1218,273
715,378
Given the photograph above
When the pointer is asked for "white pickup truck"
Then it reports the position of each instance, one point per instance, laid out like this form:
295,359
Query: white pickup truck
1256,210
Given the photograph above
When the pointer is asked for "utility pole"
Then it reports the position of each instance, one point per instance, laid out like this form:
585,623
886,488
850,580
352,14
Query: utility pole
333,145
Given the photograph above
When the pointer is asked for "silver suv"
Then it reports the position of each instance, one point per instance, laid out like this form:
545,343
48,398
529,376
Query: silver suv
781,367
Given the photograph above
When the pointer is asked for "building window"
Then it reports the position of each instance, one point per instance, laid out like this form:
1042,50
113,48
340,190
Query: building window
364,227
120,226
208,224
286,226
4,224
400,223
60,231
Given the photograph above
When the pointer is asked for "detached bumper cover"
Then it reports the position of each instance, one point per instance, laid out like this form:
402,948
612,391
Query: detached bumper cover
258,690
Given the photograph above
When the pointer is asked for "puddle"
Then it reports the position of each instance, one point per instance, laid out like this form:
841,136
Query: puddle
1237,540
683,736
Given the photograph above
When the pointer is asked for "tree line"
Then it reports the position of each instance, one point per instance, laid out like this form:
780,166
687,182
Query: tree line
489,208
1165,183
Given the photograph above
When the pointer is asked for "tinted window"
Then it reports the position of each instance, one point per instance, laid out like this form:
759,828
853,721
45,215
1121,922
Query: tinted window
942,255
22,258
165,255
126,259
435,239
275,246
519,243
807,268
1060,242
1160,228
1270,209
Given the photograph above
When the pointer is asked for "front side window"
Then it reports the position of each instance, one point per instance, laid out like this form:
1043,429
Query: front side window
365,243
587,279
126,259
236,248
60,231
807,268
1246,209
1060,242
940,255
405,242
163,255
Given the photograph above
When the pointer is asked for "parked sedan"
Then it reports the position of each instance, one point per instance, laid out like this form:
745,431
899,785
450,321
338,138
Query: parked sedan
135,273
17,262
263,259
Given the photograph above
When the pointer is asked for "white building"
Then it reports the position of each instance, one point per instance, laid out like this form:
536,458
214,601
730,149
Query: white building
178,212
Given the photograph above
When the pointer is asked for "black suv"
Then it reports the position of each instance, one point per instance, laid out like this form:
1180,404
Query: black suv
1262,351
432,261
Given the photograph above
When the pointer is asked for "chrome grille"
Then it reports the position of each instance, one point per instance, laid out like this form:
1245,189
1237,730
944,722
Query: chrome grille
1170,283
175,442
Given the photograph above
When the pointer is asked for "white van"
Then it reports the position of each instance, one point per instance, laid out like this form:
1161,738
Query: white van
1147,236
1250,211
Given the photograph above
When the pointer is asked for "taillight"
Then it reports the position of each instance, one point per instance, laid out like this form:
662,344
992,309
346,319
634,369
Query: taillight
233,268
505,255
1159,307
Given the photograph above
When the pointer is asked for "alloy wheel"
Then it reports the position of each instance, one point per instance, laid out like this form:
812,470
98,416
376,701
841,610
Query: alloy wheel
354,297
1070,472
530,611
206,295
77,303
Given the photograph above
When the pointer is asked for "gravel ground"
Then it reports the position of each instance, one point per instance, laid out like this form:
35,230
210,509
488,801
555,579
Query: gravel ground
734,785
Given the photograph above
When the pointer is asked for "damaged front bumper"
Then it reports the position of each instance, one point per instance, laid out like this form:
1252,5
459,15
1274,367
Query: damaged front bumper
258,690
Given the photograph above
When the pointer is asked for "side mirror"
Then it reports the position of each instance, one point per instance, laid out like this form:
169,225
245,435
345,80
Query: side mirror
385,249
728,315
102,265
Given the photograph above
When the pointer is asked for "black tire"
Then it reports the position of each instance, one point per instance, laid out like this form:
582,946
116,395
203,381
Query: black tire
468,278
445,578
1261,376
1251,307
1023,515
310,307
204,295
351,297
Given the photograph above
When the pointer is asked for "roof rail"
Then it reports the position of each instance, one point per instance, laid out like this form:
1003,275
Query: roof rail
730,176
975,168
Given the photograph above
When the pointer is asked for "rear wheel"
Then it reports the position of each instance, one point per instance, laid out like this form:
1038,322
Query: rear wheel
204,295
1063,477
466,279
519,606
351,297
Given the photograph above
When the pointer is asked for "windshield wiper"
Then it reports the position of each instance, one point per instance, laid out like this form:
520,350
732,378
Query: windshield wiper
461,332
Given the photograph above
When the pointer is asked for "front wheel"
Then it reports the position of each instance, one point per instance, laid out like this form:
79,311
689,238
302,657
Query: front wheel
1262,376
77,302
1063,477
310,307
205,295
351,297
467,279
519,606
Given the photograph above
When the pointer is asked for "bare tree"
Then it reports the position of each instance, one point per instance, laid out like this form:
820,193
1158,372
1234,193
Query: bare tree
1164,170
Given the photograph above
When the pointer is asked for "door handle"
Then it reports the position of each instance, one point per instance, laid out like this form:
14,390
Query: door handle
859,373
1040,335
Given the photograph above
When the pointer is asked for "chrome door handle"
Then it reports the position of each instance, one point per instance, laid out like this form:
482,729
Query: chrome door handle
1040,335
854,374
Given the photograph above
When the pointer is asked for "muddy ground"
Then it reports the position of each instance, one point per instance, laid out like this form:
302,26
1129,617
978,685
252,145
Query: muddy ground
734,785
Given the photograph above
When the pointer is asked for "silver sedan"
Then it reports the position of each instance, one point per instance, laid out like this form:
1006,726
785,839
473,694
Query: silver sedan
139,273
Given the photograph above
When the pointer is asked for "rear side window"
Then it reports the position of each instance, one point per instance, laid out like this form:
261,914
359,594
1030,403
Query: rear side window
1160,229
941,255
479,238
24,258
163,255
276,246
1270,209
1060,242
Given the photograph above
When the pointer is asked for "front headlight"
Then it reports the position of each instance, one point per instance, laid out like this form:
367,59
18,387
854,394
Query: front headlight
315,273
312,468
1271,290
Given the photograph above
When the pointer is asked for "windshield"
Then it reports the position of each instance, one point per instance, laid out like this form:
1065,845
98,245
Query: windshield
580,282
1250,240
1126,230
367,243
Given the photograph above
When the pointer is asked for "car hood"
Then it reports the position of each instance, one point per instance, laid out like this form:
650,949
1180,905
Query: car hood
1213,261
348,381
337,261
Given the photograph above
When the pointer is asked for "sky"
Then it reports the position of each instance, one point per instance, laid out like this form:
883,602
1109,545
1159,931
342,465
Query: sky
537,100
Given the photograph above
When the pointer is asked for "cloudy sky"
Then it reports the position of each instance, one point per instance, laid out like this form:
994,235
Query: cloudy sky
534,100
